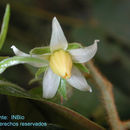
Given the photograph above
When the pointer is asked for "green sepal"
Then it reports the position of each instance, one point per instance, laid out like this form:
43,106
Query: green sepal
62,88
44,50
4,27
74,46
40,50
40,71
4,64
37,74
82,67
34,80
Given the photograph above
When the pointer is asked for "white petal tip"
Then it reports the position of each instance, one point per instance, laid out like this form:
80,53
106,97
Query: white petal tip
58,40
15,50
12,47
18,52
90,90
55,20
96,41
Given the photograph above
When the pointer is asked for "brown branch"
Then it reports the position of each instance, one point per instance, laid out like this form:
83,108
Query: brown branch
105,88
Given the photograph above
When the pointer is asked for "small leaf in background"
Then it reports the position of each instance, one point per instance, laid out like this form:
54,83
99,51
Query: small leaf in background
62,88
74,46
4,27
18,60
81,67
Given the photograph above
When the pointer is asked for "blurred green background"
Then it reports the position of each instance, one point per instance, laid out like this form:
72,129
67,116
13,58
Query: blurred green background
82,21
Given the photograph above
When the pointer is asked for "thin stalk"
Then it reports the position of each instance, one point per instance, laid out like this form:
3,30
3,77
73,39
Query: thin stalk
126,125
105,87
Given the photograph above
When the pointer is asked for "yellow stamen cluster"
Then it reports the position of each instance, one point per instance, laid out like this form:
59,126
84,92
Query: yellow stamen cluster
61,63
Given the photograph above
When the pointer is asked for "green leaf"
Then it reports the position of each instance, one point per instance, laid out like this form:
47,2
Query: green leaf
54,112
35,116
40,71
18,60
62,88
4,27
74,46
20,109
40,50
8,88
36,91
81,67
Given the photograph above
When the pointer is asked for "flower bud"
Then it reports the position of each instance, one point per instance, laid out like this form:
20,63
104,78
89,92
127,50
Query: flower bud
61,63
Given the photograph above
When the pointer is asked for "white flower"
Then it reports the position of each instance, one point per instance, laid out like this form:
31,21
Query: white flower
60,62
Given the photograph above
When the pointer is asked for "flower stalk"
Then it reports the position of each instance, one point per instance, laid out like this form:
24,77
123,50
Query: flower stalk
105,88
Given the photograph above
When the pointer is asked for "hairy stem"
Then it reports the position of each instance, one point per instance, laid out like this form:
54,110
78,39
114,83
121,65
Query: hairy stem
126,124
105,88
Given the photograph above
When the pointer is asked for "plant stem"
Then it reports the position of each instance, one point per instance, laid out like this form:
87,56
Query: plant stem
105,88
126,124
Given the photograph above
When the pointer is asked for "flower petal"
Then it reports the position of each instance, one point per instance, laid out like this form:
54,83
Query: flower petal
58,40
50,84
78,81
17,52
82,55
